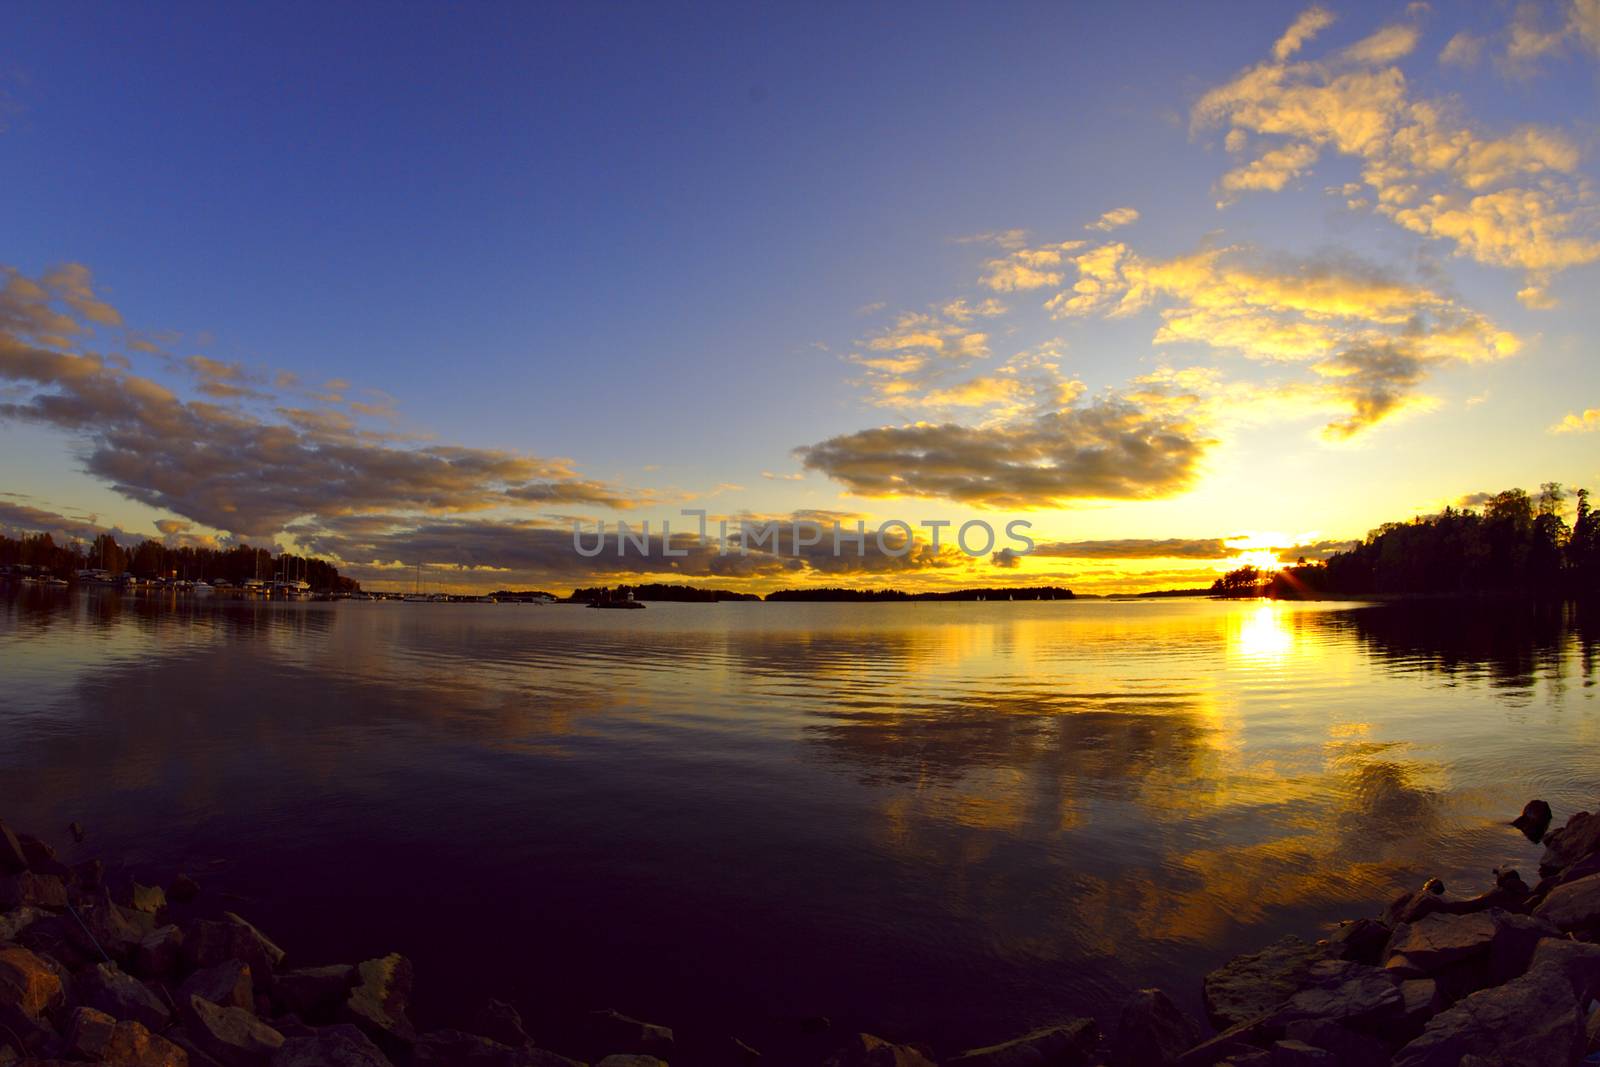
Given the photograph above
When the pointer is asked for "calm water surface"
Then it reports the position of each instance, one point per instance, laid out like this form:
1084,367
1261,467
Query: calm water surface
942,821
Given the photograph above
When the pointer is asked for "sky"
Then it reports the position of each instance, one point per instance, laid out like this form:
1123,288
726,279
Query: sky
1181,286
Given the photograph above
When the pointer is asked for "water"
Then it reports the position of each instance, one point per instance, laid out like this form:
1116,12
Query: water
949,822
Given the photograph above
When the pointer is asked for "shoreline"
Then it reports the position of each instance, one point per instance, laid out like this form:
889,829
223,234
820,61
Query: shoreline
106,969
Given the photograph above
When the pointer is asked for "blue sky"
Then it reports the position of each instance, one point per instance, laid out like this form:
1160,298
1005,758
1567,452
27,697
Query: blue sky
658,243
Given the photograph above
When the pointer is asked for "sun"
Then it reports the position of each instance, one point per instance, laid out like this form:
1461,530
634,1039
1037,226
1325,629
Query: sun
1261,559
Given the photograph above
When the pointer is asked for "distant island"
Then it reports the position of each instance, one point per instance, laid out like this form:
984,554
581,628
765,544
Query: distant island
1048,592
657,591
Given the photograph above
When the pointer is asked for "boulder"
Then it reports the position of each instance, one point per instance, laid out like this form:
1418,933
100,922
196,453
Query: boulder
1152,1031
1361,941
105,987
1250,986
1436,941
1573,907
379,1000
231,1036
207,943
27,889
88,1032
1299,1054
611,1031
1579,961
183,889
158,953
1579,838
12,859
1352,994
131,1045
109,927
341,1045
501,1022
862,1050
1350,1048
227,985
13,922
1515,938
1534,820
1534,1019
452,1048
146,898
315,993
1065,1045
1420,997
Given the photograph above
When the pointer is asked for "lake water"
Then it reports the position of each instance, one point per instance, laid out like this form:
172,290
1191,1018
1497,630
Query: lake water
949,822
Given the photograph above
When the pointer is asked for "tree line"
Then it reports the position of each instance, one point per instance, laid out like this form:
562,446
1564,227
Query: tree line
154,559
1516,544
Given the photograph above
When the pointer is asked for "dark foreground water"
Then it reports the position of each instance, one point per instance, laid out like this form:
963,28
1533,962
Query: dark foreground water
949,822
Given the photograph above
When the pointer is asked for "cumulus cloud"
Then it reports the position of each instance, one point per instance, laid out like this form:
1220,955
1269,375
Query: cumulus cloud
228,467
1462,50
1117,216
1511,200
1586,421
1370,339
1110,448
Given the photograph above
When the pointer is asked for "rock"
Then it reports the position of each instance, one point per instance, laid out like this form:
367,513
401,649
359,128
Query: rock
231,1036
501,1022
227,985
1534,1019
89,1032
90,875
1152,1031
1343,992
1515,938
1534,820
1580,837
611,1031
29,890
741,1053
862,1050
158,953
146,898
452,1048
12,923
378,1002
131,1045
330,1046
1436,941
1300,1054
315,993
112,928
1361,941
1065,1045
75,828
1573,907
632,1060
1250,986
106,988
815,1024
39,856
207,943
1421,1000
12,859
183,889
1247,1057
27,983
1579,961
1350,1048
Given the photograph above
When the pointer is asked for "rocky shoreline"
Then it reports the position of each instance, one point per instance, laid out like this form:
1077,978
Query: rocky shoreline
104,969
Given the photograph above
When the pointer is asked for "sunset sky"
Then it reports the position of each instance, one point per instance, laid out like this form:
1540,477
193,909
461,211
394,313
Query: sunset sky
1179,286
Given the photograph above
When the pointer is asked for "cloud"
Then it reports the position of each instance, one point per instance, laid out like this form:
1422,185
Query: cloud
1513,200
1138,548
1587,421
1368,338
232,469
1462,50
17,518
1118,216
1307,25
1110,448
